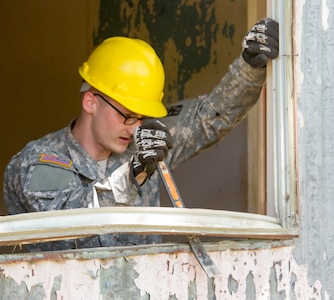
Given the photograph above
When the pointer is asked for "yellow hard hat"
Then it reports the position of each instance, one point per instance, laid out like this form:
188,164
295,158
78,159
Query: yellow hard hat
128,71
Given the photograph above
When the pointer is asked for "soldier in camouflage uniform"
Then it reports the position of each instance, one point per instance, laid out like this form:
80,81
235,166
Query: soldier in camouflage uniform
108,156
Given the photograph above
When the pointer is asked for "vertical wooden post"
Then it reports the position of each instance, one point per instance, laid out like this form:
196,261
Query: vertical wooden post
256,9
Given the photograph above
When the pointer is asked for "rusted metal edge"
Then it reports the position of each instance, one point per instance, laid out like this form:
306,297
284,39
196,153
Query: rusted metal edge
127,251
57,225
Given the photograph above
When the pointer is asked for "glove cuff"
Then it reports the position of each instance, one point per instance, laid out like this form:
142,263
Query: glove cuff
132,176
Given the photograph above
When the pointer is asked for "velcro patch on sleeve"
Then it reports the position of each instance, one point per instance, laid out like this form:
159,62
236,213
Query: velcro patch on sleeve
47,178
52,159
174,110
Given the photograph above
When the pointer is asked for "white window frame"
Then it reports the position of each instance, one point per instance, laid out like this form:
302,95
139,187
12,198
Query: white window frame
281,181
281,123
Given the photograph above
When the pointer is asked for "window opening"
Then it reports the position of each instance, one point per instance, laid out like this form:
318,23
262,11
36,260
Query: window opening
281,174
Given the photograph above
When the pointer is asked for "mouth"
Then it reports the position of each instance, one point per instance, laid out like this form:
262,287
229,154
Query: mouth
125,139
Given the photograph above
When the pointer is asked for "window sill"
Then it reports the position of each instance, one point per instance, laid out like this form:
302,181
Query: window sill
56,225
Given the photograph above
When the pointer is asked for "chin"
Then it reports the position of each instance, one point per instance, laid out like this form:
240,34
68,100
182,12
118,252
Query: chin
119,150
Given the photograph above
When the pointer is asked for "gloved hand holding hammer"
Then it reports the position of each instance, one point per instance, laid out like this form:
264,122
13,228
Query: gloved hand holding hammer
152,142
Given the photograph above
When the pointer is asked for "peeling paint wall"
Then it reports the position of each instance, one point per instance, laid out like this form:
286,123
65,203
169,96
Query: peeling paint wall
189,36
268,273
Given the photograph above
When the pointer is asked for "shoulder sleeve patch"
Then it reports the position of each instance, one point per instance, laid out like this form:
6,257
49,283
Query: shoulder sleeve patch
52,159
174,110
48,178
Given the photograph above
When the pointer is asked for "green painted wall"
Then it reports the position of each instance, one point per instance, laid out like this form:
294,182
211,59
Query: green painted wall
191,37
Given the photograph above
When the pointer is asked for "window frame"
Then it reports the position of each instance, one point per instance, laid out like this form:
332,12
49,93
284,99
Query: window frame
281,180
282,188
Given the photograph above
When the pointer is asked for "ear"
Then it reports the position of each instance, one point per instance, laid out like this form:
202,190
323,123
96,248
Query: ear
89,102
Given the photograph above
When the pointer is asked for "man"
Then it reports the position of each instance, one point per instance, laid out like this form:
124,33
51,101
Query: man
108,155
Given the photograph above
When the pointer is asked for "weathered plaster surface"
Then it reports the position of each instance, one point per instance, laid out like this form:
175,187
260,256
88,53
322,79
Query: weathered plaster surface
270,273
315,89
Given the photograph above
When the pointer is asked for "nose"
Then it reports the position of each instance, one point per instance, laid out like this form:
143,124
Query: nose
131,128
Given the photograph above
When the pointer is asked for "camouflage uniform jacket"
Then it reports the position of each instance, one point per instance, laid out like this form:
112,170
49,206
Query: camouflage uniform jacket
55,173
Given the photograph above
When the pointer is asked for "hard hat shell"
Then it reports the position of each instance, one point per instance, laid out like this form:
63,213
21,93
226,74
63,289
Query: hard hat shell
128,71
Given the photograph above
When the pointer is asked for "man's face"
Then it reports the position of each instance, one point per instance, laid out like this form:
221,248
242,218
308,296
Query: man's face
108,129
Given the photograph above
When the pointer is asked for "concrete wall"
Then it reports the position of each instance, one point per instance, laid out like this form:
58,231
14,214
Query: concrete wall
315,92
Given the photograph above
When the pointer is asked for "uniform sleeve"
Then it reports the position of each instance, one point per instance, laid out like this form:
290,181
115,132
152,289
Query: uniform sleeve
202,122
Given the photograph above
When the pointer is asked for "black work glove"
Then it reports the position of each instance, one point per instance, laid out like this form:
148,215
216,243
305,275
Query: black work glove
261,43
151,142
